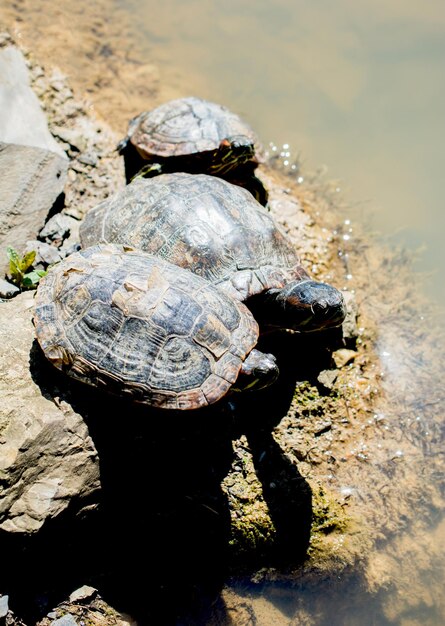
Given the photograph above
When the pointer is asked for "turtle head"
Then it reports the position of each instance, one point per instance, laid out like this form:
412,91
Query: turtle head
259,370
240,146
309,305
232,152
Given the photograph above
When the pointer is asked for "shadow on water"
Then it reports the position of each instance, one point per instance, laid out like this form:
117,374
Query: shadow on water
156,541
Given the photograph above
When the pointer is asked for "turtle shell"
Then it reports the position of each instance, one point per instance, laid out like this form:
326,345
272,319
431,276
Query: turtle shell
185,126
140,327
202,223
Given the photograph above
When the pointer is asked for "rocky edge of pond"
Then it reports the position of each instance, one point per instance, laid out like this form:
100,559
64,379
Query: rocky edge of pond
295,484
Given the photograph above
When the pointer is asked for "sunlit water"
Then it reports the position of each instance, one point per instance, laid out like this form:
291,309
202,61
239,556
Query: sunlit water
358,87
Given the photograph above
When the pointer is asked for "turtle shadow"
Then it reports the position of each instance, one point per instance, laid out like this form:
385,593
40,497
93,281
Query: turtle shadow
156,541
133,162
244,175
301,357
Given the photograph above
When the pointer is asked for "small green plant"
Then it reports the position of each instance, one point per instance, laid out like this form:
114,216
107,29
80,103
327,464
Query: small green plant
18,269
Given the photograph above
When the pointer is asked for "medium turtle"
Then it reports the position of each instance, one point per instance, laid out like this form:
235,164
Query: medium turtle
196,136
140,327
220,232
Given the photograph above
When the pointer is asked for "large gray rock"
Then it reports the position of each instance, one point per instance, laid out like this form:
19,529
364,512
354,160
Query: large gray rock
31,180
22,120
33,164
47,458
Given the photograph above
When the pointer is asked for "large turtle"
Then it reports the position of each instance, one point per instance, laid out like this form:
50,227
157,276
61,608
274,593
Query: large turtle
196,136
141,327
220,232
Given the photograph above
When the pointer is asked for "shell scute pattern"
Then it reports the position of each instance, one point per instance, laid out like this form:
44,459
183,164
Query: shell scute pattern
227,365
230,316
213,387
180,364
211,334
152,333
127,358
176,312
186,126
74,302
138,294
215,229
187,399
90,331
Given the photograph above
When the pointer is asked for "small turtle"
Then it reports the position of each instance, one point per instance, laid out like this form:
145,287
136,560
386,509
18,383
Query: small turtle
220,232
140,327
196,136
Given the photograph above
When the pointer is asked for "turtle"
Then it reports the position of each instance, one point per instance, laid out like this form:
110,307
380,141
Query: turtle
196,136
220,232
139,327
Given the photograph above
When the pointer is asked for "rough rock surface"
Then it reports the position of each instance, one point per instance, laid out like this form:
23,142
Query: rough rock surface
33,165
22,119
32,179
47,458
84,609
45,253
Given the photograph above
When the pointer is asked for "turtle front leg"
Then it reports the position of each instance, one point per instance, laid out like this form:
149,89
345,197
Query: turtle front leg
149,170
135,165
259,370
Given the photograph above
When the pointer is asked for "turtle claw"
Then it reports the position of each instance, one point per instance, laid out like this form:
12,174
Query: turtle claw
258,371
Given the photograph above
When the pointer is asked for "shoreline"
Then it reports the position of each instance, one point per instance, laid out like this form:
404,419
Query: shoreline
330,438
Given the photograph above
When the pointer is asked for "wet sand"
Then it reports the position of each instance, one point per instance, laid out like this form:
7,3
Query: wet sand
93,46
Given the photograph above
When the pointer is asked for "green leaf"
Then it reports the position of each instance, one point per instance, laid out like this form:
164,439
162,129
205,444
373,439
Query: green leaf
32,278
16,274
13,255
18,267
14,265
27,260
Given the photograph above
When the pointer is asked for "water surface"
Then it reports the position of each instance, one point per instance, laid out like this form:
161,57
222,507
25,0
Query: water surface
357,87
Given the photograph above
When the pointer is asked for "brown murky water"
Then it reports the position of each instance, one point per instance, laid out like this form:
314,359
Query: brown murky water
359,88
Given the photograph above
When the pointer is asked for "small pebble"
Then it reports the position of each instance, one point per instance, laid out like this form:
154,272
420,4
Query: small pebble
65,620
45,253
57,227
83,593
343,356
327,378
8,290
4,608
